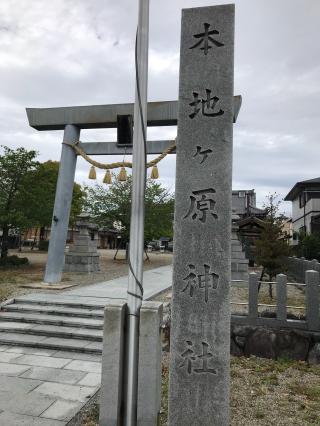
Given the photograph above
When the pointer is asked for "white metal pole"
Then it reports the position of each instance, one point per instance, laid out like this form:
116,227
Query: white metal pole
136,247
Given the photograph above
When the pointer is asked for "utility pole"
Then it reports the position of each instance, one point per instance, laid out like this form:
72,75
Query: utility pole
136,247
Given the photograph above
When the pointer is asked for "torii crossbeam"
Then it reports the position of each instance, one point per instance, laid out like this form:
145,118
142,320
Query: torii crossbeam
72,120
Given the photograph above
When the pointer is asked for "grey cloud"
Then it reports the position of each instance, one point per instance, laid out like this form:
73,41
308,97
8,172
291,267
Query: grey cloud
71,52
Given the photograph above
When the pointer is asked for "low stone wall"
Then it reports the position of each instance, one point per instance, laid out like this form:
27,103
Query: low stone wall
275,343
297,267
262,341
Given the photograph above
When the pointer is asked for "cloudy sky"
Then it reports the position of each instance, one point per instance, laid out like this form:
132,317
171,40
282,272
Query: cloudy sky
81,52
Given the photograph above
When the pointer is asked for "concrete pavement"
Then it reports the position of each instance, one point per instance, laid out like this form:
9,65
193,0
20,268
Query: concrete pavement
43,383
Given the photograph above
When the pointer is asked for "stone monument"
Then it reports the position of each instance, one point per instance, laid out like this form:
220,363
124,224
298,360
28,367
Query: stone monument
239,263
200,333
83,255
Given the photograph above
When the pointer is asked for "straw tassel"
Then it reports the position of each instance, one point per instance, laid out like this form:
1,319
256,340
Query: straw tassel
154,172
92,173
107,178
122,175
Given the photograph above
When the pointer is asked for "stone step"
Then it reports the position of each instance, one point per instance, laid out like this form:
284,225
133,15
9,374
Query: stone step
56,343
51,330
54,310
66,301
61,320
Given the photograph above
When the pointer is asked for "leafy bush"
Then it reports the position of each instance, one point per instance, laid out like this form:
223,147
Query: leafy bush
14,261
309,247
43,245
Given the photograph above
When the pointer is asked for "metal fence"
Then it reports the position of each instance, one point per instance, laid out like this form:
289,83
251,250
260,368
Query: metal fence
312,300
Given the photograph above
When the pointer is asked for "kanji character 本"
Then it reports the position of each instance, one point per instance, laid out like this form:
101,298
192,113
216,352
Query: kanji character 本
206,39
207,281
200,204
204,153
189,358
207,104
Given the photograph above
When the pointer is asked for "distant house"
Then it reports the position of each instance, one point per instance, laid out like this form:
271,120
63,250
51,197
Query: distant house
305,198
244,204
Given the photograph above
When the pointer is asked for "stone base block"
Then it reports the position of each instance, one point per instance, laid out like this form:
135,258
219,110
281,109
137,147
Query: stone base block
82,262
81,268
114,349
239,276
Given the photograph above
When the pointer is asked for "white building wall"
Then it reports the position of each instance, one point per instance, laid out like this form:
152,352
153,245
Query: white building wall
298,213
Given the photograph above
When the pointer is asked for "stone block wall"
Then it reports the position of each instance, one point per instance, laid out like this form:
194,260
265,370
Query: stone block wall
275,343
297,267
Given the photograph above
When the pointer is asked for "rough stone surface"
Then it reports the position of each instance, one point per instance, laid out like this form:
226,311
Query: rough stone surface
234,349
261,343
112,361
291,345
242,330
149,385
200,333
240,341
314,354
83,255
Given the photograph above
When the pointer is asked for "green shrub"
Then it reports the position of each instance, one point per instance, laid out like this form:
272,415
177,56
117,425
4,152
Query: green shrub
309,247
14,261
43,245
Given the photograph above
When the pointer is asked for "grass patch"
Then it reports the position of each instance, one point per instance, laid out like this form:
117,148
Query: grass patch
91,416
164,397
263,392
311,393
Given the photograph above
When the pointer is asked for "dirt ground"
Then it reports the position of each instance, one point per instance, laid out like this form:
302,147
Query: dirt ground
263,392
10,280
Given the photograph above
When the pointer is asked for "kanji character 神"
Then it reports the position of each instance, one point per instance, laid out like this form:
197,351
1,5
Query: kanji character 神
208,280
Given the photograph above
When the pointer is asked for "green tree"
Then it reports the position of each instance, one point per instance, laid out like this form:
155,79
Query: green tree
14,166
113,204
37,200
309,246
272,247
27,193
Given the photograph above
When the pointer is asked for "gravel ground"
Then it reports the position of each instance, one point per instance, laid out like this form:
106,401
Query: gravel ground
263,392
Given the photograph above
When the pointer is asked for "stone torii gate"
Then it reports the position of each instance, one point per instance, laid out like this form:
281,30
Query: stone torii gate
72,120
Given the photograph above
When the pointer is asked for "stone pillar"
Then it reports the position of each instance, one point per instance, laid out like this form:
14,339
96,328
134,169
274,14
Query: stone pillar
150,348
114,352
62,206
253,309
200,333
312,299
112,364
281,289
83,255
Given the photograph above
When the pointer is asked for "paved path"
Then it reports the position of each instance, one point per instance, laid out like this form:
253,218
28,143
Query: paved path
47,387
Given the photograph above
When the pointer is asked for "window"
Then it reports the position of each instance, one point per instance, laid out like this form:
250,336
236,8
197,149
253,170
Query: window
242,194
302,200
